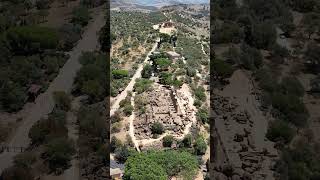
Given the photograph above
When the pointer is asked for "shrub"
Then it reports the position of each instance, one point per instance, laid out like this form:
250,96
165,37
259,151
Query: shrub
200,146
202,115
80,16
17,173
157,128
142,85
115,143
251,58
280,130
116,127
167,141
221,68
62,100
127,109
122,153
31,39
187,141
24,160
147,71
118,74
59,152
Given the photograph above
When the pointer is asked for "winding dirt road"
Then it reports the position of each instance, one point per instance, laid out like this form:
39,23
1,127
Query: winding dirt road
115,106
63,82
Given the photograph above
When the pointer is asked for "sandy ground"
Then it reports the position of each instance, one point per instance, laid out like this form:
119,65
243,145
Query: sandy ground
63,82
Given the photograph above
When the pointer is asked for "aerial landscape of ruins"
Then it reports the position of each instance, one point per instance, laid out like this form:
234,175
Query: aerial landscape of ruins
159,89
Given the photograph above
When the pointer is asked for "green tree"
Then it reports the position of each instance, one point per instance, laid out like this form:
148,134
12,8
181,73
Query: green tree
161,165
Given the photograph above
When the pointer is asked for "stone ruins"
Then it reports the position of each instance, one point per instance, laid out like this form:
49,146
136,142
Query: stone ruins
167,106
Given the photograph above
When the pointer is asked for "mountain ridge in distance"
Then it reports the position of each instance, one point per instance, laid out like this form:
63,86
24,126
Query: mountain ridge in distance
158,3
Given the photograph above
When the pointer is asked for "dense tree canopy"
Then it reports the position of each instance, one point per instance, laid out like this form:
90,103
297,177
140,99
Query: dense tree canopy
161,165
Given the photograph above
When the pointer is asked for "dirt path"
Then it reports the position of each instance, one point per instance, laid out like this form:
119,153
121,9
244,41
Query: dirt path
115,106
63,82
131,128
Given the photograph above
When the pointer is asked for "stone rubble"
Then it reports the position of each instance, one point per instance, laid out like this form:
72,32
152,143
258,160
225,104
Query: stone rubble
246,162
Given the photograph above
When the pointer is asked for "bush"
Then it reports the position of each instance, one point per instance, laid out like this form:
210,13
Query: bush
118,74
24,160
91,122
157,128
122,153
116,127
221,68
200,146
142,85
17,173
127,109
12,96
59,152
115,143
31,39
229,32
69,35
202,115
187,141
263,35
167,141
291,107
291,85
147,71
81,16
199,93
251,58
62,100
280,130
